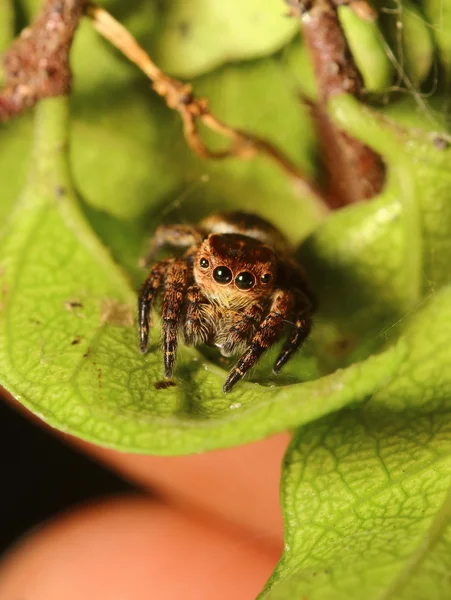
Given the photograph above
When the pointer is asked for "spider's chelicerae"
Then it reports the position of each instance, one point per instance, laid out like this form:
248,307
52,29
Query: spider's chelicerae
236,287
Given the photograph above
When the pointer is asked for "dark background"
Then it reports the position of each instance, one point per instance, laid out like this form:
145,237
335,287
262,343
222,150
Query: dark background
41,476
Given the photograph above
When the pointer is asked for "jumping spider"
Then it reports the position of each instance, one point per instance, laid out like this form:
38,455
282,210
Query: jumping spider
235,287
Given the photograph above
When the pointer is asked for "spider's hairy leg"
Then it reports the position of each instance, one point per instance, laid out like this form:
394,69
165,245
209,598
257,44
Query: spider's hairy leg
265,336
244,325
146,298
301,330
196,327
179,236
171,310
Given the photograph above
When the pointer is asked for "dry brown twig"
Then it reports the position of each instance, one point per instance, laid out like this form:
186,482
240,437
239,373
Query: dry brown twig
355,171
179,96
37,64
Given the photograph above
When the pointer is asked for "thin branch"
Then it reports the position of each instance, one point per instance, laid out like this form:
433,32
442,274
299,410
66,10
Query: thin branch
355,171
335,69
179,96
37,64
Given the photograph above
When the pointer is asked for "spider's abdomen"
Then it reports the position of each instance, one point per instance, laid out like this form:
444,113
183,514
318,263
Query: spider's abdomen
247,224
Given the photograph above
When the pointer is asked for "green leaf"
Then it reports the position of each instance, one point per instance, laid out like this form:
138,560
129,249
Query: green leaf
68,347
438,14
417,48
409,41
419,161
373,264
365,492
148,168
114,110
365,495
6,26
367,46
79,366
15,143
367,508
200,35
232,92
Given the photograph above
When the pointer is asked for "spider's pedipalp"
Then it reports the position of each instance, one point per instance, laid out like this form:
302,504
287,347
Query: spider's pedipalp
264,337
196,327
146,299
244,325
176,283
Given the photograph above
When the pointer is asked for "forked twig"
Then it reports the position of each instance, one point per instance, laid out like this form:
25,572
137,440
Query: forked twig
179,96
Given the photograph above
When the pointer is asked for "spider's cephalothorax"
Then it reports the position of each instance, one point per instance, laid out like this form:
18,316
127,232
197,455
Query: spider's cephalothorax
235,287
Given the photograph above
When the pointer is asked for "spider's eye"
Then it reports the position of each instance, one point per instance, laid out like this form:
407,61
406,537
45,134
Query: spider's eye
222,275
266,278
244,280
204,263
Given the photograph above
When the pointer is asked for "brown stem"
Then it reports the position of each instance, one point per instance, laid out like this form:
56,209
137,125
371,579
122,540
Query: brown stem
37,64
355,172
335,70
179,97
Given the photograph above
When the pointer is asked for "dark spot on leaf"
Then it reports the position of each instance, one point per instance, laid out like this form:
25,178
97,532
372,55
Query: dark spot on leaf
184,28
440,142
342,347
163,385
3,291
76,340
71,304
87,353
60,191
115,313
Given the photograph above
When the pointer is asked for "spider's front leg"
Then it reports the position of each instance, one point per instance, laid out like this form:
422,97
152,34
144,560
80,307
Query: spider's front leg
178,236
265,336
197,326
301,330
146,299
177,278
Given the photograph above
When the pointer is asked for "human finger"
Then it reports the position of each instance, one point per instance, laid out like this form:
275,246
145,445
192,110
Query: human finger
136,549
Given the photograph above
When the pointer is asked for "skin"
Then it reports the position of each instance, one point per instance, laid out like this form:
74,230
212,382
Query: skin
219,538
236,287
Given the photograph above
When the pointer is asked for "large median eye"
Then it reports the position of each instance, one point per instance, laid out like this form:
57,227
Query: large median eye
222,275
244,280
